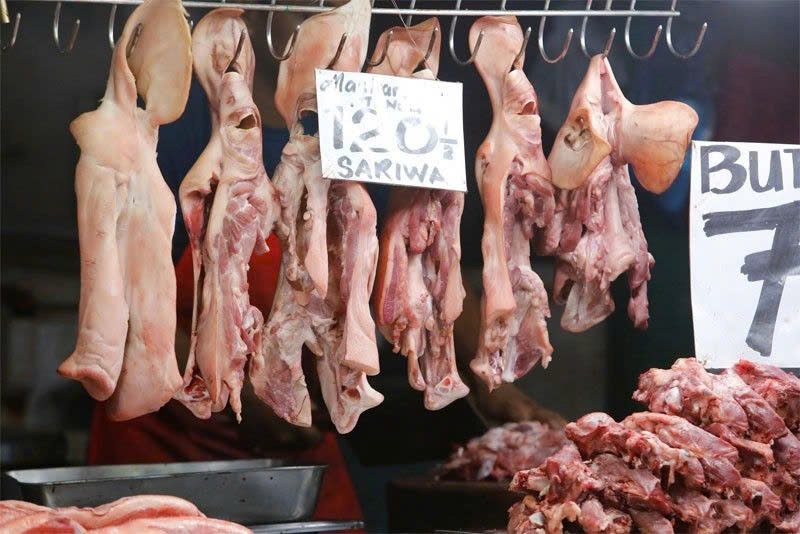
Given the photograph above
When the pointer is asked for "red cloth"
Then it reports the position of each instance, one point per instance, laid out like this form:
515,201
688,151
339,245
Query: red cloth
173,434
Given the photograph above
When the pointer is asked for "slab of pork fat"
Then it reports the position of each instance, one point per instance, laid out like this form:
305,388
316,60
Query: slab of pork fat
126,216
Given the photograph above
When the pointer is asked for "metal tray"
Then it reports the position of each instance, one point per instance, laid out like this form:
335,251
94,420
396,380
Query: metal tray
308,527
244,491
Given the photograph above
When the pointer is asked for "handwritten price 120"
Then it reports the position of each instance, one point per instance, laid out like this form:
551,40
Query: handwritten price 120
369,133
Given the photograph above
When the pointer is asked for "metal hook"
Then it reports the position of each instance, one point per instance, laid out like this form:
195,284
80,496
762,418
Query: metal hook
611,34
453,41
567,42
137,32
112,19
385,51
434,32
338,51
292,39
429,51
75,27
237,53
515,64
697,43
410,6
653,45
14,32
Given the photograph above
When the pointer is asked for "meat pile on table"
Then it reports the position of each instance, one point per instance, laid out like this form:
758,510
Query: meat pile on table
134,515
716,453
503,451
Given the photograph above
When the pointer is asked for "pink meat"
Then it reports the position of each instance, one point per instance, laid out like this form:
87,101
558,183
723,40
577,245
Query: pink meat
687,390
595,518
596,233
418,291
329,247
630,487
598,433
779,388
42,523
514,183
530,517
126,216
562,477
737,473
503,451
175,525
141,513
718,457
649,522
229,206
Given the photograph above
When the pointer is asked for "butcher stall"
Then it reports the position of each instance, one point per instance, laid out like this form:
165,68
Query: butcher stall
357,265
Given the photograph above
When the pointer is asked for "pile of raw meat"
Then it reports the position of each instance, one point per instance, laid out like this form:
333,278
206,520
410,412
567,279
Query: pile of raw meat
156,514
502,452
716,453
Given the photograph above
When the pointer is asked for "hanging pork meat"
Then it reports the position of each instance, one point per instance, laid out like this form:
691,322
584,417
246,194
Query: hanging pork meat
329,245
126,216
419,292
229,206
514,182
596,233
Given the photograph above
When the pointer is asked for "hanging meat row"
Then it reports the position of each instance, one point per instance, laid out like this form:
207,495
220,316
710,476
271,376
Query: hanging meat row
579,206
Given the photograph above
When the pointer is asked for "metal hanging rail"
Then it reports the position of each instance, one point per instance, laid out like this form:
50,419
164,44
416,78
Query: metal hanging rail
407,12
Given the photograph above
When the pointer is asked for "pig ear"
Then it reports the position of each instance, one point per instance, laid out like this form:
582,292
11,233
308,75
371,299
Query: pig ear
577,150
157,46
654,139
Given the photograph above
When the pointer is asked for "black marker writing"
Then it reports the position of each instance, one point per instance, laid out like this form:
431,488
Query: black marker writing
772,267
737,174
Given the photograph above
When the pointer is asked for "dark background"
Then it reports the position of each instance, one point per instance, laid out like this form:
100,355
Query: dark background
744,84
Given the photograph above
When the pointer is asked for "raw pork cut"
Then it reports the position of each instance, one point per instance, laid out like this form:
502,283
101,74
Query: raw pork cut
126,216
514,183
717,456
595,517
229,206
596,233
598,433
329,245
134,515
779,388
689,391
173,525
503,451
418,291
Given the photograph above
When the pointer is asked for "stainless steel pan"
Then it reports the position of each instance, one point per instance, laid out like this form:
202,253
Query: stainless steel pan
248,492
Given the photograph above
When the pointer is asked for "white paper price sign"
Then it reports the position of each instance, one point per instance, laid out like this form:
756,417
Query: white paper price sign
745,253
391,130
